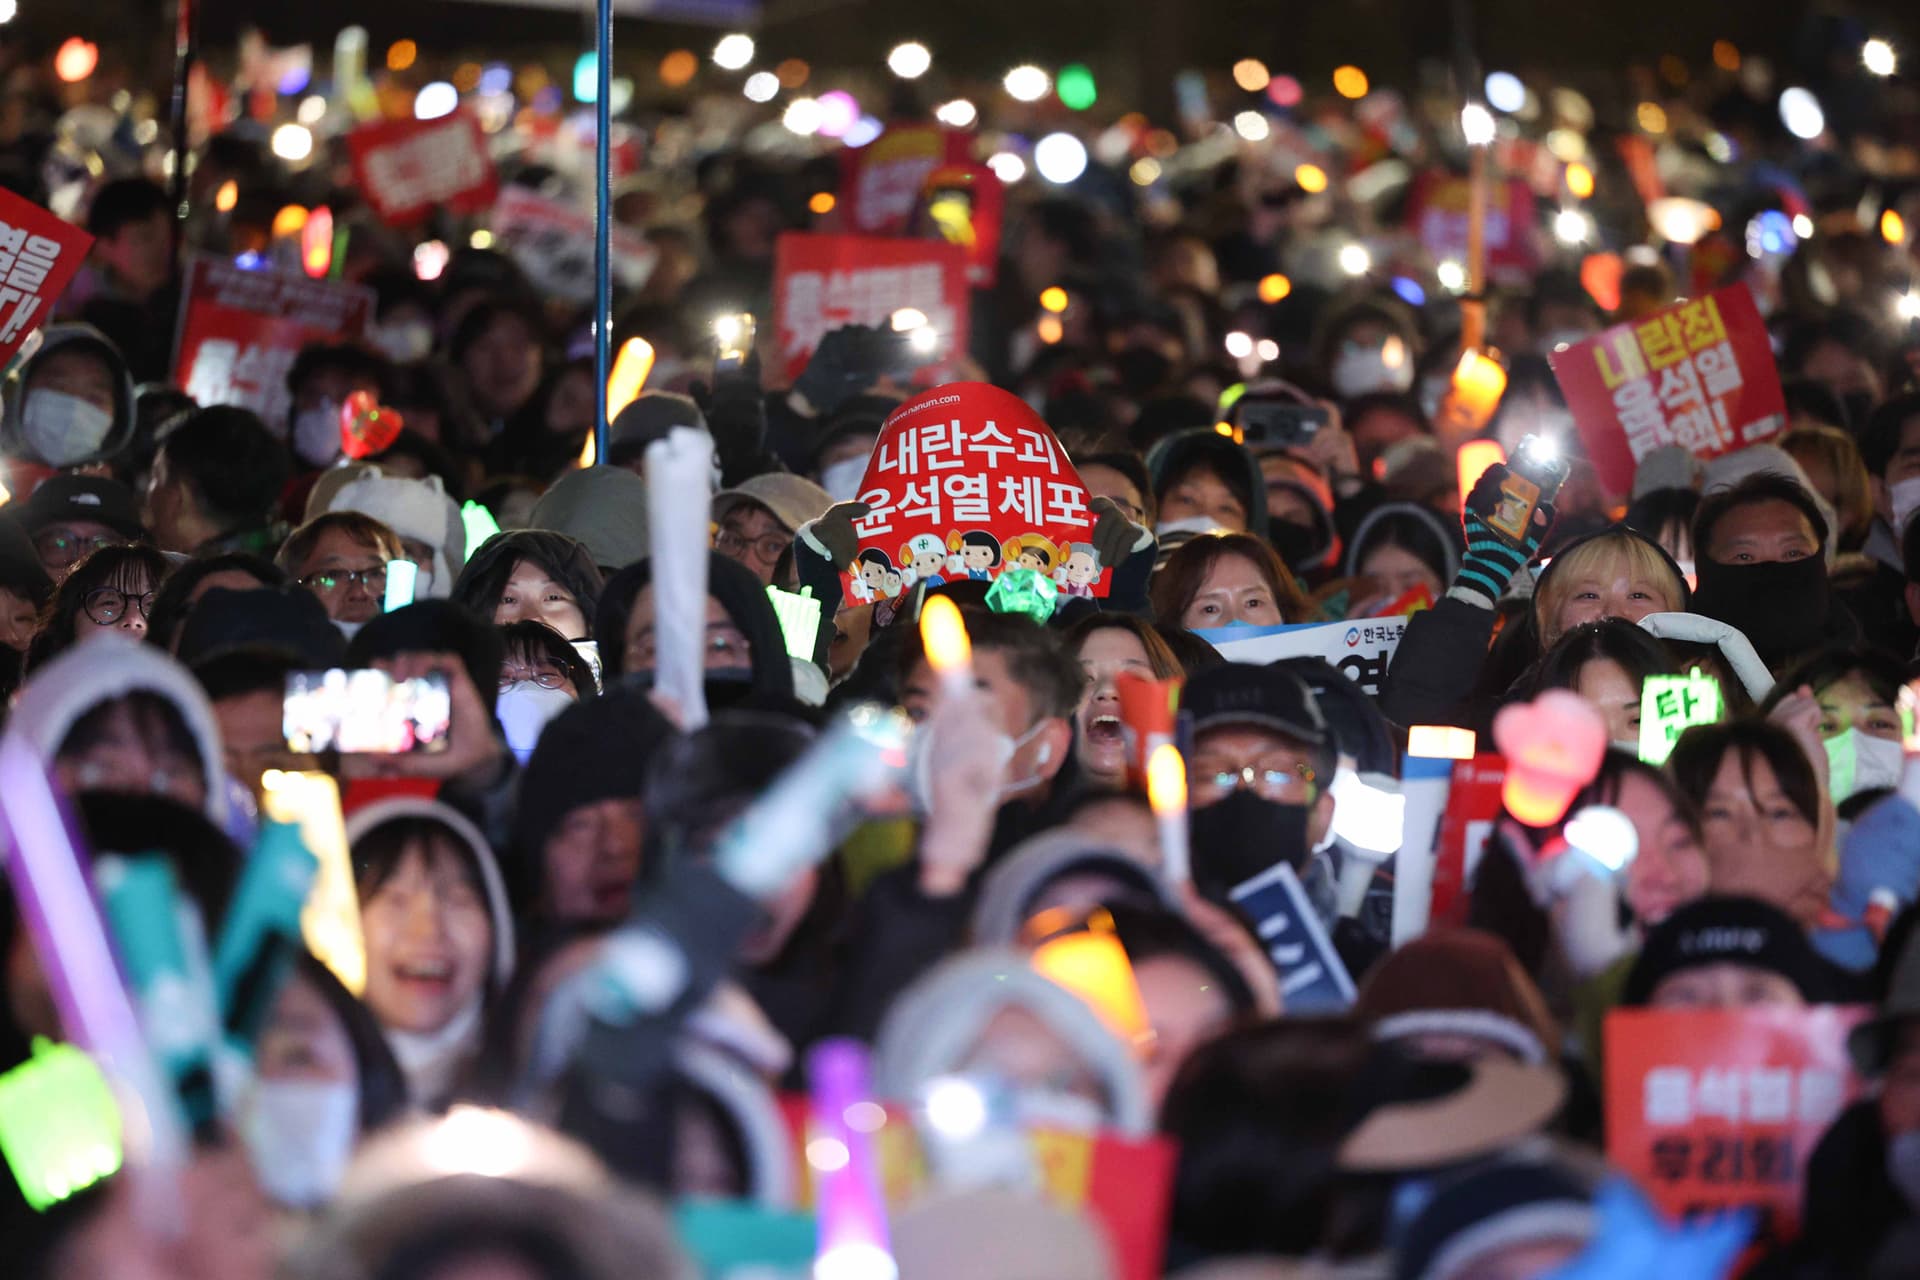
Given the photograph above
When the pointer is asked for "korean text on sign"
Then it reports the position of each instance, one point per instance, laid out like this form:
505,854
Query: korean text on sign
1698,375
939,460
39,254
1716,1108
824,282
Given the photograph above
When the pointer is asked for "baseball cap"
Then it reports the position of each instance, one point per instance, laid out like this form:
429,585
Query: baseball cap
1240,695
794,500
1726,930
91,498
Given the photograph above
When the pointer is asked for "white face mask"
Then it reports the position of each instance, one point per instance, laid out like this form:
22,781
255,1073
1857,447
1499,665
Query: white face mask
316,434
1904,498
1186,524
1858,762
63,429
842,479
1360,370
923,755
405,342
524,711
300,1135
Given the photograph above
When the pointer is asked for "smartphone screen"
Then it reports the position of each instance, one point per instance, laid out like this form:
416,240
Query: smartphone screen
365,712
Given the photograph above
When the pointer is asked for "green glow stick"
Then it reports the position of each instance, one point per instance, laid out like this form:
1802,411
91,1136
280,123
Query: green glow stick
59,1127
1669,705
799,616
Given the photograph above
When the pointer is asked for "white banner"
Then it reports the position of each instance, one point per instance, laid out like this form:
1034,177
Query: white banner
1361,647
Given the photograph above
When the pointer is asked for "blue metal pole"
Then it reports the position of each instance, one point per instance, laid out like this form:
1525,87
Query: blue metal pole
602,225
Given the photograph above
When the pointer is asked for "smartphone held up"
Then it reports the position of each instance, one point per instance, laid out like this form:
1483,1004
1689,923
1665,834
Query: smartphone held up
366,712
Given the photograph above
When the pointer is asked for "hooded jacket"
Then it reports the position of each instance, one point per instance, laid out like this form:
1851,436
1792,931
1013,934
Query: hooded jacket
69,337
604,507
935,1024
739,592
417,509
102,670
565,559
1361,543
1174,455
1009,889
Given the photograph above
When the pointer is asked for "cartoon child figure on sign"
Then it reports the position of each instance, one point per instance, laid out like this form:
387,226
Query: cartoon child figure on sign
1031,551
1077,574
872,572
977,554
922,559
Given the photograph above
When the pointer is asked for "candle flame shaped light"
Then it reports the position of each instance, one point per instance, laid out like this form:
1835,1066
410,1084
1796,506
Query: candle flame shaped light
1167,793
944,635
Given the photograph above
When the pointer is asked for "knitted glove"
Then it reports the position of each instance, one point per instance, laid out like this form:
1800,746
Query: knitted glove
833,535
1114,536
1491,559
840,368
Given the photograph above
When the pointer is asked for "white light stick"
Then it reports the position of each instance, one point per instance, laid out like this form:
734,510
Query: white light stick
679,475
1167,793
949,650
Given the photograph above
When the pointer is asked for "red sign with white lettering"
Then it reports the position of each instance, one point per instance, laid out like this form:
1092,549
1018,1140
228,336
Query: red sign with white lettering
880,183
240,331
1698,374
409,168
823,282
38,255
966,481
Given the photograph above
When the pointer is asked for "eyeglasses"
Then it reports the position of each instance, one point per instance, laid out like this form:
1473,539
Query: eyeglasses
767,548
329,581
545,677
58,550
1278,779
108,605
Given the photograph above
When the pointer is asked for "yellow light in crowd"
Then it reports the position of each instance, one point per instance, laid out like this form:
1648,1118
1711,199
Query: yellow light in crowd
1274,287
401,54
1472,461
792,73
466,77
1478,382
678,67
1350,82
1580,180
1893,227
290,221
1053,298
629,376
1167,778
1251,74
1050,329
1224,429
944,637
227,196
481,239
330,920
1440,742
822,202
1311,178
1726,55
1093,966
1652,117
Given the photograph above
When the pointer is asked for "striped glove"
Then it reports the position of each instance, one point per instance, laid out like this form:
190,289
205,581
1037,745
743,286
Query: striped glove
1492,559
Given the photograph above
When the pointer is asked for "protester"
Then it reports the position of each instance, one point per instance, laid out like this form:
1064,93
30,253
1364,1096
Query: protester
215,483
71,517
110,592
342,558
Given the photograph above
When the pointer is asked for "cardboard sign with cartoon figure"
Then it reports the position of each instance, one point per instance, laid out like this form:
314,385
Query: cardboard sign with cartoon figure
966,481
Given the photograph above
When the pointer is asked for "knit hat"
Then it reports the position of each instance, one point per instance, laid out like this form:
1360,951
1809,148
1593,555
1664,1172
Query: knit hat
1726,930
792,499
594,750
282,622
603,507
649,418
1459,982
417,509
1496,1206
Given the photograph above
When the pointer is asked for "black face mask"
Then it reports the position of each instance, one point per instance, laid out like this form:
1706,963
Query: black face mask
1296,543
1142,370
1781,605
1859,407
1238,837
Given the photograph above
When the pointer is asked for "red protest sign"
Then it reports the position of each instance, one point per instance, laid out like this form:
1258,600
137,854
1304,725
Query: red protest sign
553,243
1437,209
880,183
408,168
823,282
1715,1108
1698,374
38,255
964,481
966,205
240,331
1473,806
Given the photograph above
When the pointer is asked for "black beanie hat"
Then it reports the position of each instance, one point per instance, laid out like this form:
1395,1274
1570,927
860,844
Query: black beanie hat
1726,930
595,750
1505,1203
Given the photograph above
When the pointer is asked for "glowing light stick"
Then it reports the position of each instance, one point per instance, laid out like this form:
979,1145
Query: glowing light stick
1167,793
330,920
1553,747
850,1216
949,650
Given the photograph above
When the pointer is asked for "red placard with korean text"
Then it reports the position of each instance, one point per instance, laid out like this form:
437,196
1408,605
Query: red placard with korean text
1698,374
1715,1108
965,481
823,282
880,183
1437,211
38,255
408,168
240,331
1473,806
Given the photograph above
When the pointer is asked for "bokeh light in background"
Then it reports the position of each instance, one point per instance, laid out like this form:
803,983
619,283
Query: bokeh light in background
1027,83
1251,74
1075,87
1350,82
678,67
